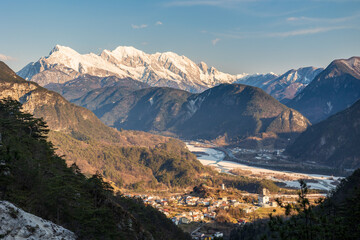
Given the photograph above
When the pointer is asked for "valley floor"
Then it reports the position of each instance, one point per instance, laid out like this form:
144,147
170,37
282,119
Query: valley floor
218,214
219,158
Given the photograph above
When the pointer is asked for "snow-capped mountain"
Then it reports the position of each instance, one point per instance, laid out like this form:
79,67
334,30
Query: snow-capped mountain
285,86
257,80
160,69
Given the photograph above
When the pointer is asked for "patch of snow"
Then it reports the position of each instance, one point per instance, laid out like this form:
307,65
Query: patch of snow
329,107
194,104
151,100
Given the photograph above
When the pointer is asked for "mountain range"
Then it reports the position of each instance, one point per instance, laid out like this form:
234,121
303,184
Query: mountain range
167,69
285,86
159,69
332,90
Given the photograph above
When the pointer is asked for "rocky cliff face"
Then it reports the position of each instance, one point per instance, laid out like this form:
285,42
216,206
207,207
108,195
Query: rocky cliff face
18,224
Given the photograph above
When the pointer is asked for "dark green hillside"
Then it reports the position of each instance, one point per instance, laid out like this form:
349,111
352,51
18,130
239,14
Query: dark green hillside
38,181
167,164
333,142
336,217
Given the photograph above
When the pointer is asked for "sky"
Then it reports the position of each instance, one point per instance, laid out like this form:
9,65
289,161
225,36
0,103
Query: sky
235,36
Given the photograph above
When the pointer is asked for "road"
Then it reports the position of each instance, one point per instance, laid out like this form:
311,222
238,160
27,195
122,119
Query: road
198,228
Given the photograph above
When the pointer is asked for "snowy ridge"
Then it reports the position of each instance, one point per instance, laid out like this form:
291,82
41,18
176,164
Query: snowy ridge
18,224
285,86
159,69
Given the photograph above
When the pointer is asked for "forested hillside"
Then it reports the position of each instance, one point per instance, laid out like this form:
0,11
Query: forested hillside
335,217
35,179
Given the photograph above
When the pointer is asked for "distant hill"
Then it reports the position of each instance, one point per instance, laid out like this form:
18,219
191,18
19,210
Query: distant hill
237,112
333,90
234,112
333,142
83,84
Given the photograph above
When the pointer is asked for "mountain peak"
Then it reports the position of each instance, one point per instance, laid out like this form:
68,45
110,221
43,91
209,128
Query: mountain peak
203,66
332,90
63,49
350,65
127,51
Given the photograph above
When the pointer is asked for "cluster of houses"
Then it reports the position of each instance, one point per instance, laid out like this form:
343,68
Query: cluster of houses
184,209
206,208
260,154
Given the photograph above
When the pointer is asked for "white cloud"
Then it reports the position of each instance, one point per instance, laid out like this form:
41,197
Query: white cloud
139,26
144,43
310,20
290,19
6,58
220,3
298,32
215,41
305,31
158,23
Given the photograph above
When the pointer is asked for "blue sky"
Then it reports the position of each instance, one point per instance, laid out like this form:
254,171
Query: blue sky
235,36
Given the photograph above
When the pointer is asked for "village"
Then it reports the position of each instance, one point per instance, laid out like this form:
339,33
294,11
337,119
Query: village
213,217
212,212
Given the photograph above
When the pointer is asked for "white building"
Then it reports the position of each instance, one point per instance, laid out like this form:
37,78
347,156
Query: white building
263,197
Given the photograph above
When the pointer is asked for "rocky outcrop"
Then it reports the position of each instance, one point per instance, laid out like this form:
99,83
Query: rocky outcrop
18,224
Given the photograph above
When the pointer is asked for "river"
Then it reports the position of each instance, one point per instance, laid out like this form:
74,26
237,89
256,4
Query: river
209,156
